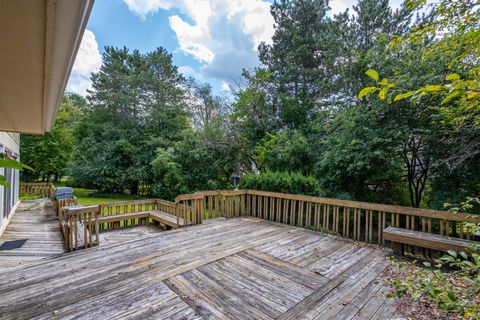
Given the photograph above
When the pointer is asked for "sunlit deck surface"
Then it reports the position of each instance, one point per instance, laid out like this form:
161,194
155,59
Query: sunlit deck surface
239,268
111,237
32,234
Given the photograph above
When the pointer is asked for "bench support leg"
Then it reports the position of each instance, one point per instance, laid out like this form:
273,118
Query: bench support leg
397,249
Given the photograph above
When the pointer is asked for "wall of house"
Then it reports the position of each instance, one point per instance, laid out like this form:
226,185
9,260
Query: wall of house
10,149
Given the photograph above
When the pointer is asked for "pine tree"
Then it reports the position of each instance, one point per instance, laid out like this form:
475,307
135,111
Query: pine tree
300,58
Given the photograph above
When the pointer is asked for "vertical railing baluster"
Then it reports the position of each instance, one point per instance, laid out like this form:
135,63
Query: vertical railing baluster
348,222
300,214
359,224
367,229
292,212
355,223
271,210
370,227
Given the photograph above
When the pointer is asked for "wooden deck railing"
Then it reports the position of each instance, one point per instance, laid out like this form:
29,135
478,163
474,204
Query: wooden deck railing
355,220
122,209
224,203
361,221
59,204
80,223
80,227
191,208
46,190
42,189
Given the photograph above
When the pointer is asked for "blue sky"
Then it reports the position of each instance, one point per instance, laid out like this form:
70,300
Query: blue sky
211,40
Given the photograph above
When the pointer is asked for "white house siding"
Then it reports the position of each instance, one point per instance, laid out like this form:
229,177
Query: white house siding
9,144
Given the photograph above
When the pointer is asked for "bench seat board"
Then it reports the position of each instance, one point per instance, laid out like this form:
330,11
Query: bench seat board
426,240
166,218
126,216
156,215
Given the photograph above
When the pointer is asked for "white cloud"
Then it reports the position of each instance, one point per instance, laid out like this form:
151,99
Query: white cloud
88,60
226,87
193,40
188,71
144,7
221,34
338,6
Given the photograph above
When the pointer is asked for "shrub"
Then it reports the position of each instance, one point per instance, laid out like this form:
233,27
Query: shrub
287,150
285,182
169,181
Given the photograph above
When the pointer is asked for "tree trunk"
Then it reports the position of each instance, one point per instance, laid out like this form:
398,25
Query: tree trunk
417,167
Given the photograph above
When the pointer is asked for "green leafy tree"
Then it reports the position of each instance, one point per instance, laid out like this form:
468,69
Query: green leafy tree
254,114
300,59
51,154
201,160
204,106
360,157
288,150
447,40
137,105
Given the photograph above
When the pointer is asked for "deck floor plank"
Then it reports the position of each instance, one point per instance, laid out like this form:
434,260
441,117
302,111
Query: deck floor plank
239,268
33,233
252,293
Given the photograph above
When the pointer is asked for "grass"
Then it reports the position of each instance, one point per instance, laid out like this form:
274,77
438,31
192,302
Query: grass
28,196
91,196
87,196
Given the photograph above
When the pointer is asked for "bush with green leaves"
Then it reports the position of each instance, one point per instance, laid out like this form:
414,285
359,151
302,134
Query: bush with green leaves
288,150
169,181
454,290
452,282
285,182
201,160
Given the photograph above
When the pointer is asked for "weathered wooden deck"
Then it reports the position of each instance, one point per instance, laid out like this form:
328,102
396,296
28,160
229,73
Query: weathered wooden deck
32,234
239,268
111,237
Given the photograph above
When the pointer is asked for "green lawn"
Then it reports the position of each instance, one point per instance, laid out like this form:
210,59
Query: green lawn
87,196
91,197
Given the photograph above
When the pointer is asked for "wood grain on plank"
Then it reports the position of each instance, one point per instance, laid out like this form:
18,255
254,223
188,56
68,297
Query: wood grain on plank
239,268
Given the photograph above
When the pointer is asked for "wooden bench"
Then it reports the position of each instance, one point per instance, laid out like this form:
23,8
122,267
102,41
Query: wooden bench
125,216
156,215
400,237
167,219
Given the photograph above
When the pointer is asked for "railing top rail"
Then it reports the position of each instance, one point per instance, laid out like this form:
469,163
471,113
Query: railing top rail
425,213
193,196
81,209
36,183
420,212
209,192
222,192
166,202
127,202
